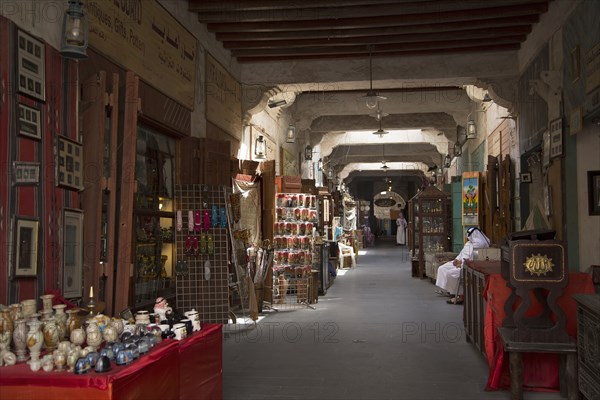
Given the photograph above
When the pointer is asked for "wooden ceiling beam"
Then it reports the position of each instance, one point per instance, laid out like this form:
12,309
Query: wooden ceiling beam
382,21
483,24
470,34
344,11
251,5
419,52
386,47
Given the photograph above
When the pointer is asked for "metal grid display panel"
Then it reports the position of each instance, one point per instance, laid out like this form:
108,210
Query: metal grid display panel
210,297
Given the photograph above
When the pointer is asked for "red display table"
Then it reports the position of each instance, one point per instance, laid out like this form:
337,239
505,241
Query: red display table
155,375
201,364
541,371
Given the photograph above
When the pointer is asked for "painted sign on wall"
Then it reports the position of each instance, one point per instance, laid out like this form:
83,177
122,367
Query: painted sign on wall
144,38
223,99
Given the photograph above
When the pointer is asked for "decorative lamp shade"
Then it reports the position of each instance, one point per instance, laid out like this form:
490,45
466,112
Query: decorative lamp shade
260,148
290,134
74,40
308,153
471,129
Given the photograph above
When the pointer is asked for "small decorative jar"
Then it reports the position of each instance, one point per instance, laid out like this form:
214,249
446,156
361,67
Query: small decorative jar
93,335
60,359
118,324
77,336
110,334
20,339
15,311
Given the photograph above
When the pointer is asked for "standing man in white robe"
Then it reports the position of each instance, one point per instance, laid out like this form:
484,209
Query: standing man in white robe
448,274
401,232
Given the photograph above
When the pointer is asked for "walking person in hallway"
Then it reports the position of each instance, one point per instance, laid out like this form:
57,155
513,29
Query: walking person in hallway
401,232
448,274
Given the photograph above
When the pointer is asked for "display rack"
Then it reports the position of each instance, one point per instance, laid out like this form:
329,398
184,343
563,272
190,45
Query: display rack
296,220
429,226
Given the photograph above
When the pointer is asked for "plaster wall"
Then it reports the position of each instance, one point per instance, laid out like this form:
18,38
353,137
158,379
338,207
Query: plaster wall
588,149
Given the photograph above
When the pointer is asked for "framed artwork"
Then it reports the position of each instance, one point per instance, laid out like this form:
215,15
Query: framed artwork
26,246
26,173
72,252
288,163
29,122
470,198
556,141
31,68
575,64
525,177
69,164
594,192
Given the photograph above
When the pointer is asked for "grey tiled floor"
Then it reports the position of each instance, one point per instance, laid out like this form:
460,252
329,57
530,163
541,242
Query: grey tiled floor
376,334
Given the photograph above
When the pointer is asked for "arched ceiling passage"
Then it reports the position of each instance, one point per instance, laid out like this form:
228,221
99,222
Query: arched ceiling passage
315,53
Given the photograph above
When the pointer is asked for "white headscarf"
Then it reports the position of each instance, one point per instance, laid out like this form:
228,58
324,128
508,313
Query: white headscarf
479,240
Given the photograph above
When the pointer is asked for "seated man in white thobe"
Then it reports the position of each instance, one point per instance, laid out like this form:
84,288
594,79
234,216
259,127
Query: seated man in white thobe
448,274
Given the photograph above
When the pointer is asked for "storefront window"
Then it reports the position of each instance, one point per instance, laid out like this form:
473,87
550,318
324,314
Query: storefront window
153,217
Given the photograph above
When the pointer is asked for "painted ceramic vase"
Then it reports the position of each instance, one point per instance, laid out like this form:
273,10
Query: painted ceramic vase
51,334
20,339
61,319
35,339
110,334
73,321
47,301
15,311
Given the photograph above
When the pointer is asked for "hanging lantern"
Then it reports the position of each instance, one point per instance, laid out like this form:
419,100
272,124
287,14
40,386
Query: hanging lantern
290,135
74,40
260,148
308,153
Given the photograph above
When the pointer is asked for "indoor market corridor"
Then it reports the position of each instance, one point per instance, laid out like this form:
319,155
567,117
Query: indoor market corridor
378,333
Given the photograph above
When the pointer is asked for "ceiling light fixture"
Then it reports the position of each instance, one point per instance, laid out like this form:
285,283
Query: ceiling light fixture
380,131
372,98
471,129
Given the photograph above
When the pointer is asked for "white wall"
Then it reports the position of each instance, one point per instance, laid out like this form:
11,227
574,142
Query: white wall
588,159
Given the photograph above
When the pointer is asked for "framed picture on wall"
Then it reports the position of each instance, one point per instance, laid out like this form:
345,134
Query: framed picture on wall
69,164
556,140
26,173
72,252
31,67
26,247
594,192
29,122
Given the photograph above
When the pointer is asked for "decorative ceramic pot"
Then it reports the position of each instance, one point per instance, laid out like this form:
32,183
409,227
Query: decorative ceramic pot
60,359
28,307
110,334
77,336
35,339
72,359
61,318
47,301
118,324
20,339
48,363
16,311
51,334
93,335
9,358
6,325
46,315
73,321
64,346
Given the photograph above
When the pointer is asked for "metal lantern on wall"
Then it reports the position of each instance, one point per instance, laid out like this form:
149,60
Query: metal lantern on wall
447,161
471,129
260,148
457,150
290,134
74,40
308,153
